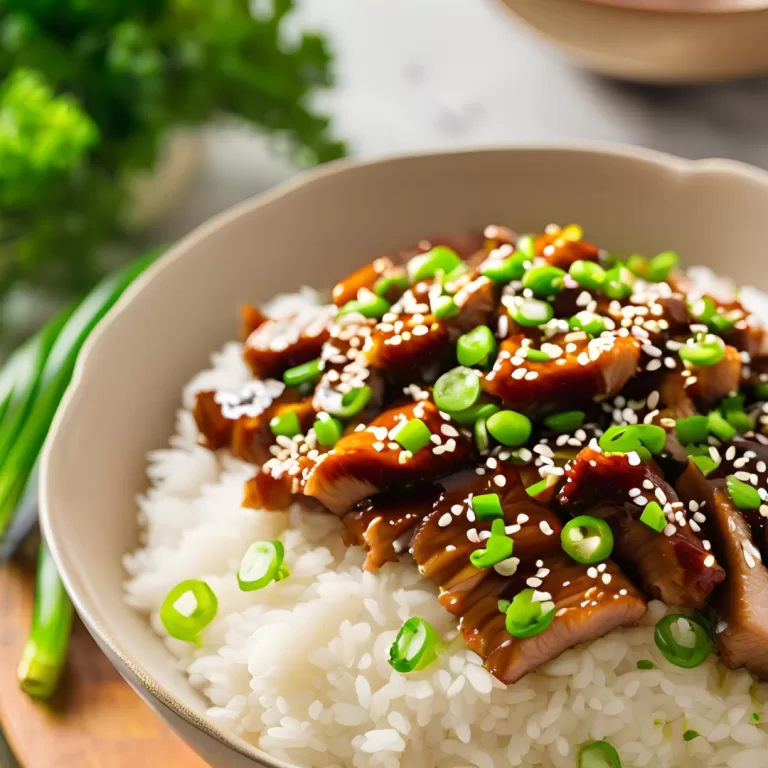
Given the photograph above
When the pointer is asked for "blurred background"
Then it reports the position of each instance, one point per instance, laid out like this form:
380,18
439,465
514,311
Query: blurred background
126,123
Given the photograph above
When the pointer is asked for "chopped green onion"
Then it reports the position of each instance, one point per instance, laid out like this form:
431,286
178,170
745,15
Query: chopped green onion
705,311
480,432
587,539
530,312
306,373
487,506
633,437
476,347
599,754
704,351
414,436
637,265
693,429
740,421
565,422
510,428
502,605
285,425
644,664
537,488
705,464
682,641
587,274
45,652
352,402
653,516
535,355
188,609
261,565
505,270
470,415
690,735
416,646
458,271
497,549
754,717
371,306
660,266
719,427
618,283
743,495
426,265
444,307
327,429
526,617
526,245
761,390
544,280
456,390
385,286
588,322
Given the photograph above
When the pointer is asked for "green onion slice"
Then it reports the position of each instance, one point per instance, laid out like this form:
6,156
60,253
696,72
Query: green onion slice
706,464
704,351
693,429
644,664
565,422
470,415
633,437
305,373
599,754
261,565
587,539
413,436
444,307
480,432
487,506
328,430
660,266
351,403
526,617
456,390
505,270
285,425
544,280
588,322
719,427
637,264
416,646
530,312
587,274
743,495
385,286
682,641
497,549
426,265
476,347
618,282
188,609
653,516
510,428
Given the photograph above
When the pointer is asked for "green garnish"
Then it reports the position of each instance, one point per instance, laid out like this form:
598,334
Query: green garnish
306,373
599,754
456,390
352,402
565,422
537,488
618,283
530,312
188,609
414,436
416,646
444,307
690,735
587,539
505,270
261,565
285,425
385,286
470,415
477,347
510,428
644,664
682,641
743,495
327,429
544,280
588,322
754,717
498,547
705,464
480,433
535,355
526,245
719,427
587,274
693,429
660,266
633,437
637,265
426,265
704,351
526,617
653,516
487,506
761,390
371,306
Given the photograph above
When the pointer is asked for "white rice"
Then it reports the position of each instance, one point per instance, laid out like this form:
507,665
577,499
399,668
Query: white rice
300,667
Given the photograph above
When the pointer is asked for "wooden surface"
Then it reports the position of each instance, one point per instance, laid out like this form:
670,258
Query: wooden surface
95,720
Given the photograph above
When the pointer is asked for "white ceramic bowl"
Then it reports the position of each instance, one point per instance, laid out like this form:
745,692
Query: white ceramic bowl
315,230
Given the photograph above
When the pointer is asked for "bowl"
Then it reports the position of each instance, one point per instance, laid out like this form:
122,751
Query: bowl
314,230
655,41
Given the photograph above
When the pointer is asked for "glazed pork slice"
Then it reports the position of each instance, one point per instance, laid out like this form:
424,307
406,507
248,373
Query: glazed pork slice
741,603
579,371
281,343
674,565
368,461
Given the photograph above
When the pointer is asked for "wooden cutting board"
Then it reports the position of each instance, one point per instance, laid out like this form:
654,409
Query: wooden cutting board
95,720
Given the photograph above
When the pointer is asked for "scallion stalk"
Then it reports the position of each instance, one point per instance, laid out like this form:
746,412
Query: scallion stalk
45,652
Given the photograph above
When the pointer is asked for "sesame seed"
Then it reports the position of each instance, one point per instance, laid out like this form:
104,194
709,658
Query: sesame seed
545,528
445,520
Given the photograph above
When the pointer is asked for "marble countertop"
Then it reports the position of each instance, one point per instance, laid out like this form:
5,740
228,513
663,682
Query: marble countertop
432,74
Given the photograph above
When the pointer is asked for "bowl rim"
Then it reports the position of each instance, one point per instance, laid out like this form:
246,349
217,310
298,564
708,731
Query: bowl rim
98,625
661,8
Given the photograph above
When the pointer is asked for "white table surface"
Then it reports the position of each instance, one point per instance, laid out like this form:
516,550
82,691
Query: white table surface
430,74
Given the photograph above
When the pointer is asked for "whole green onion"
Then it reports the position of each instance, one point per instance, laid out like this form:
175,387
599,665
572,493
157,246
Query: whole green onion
45,651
